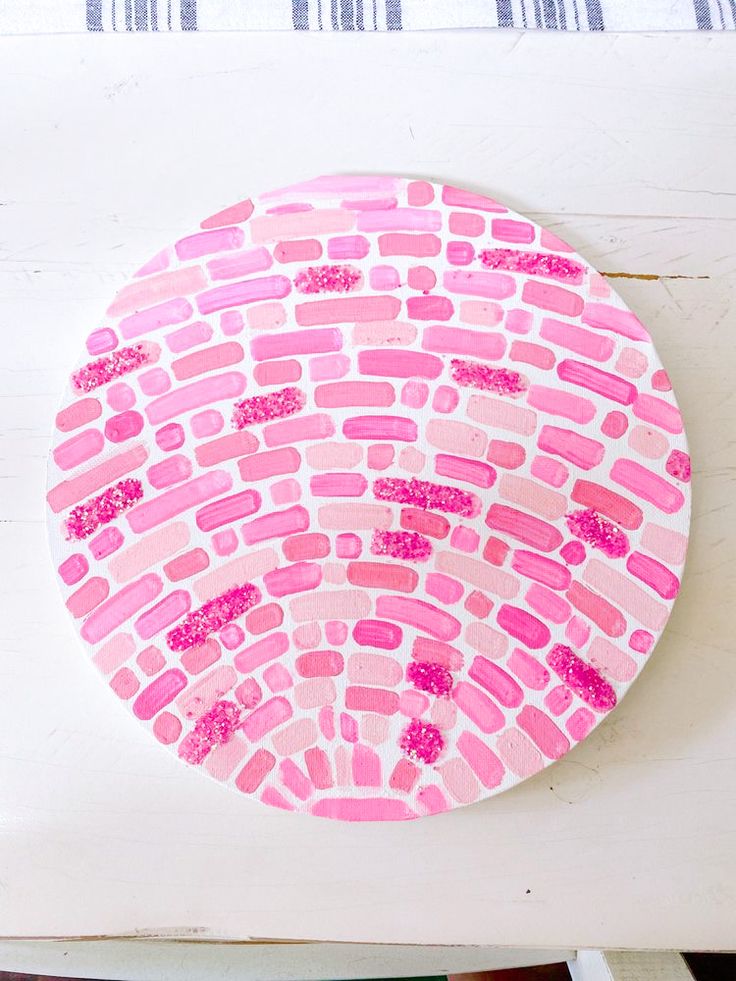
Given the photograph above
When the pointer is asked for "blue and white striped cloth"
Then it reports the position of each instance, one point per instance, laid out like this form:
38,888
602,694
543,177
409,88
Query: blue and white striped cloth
63,16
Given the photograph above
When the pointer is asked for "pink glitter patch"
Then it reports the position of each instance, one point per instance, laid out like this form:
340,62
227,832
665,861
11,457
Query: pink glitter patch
533,264
86,518
589,526
262,408
328,279
212,729
471,374
103,370
409,545
581,678
196,627
421,742
430,677
425,494
678,465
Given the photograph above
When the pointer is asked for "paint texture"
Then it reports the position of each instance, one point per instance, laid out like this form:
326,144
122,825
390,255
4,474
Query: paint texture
367,497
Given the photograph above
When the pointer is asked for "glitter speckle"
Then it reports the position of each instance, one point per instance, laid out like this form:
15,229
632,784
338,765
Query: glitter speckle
263,408
425,494
86,518
472,374
212,729
409,545
421,742
534,264
582,678
429,677
196,626
678,465
103,370
589,526
328,279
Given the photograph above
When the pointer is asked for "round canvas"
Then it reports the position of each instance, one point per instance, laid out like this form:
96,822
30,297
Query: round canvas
369,498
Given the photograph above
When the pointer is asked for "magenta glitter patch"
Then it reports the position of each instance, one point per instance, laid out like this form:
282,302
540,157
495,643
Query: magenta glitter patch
430,677
262,408
103,370
196,627
86,518
534,263
591,528
409,545
328,279
475,375
363,510
214,728
422,742
581,678
425,494
678,465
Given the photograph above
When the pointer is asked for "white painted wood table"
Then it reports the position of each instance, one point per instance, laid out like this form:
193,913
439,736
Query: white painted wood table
114,146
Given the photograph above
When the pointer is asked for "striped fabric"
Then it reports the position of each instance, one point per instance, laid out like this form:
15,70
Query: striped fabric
64,16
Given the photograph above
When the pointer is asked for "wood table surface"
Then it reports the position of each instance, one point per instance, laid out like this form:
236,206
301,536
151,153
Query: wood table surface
625,145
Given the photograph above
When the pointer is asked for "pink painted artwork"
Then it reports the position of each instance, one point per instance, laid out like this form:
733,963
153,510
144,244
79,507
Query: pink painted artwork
367,497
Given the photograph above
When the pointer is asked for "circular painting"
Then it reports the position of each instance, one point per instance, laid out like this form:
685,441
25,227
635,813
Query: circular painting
369,498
